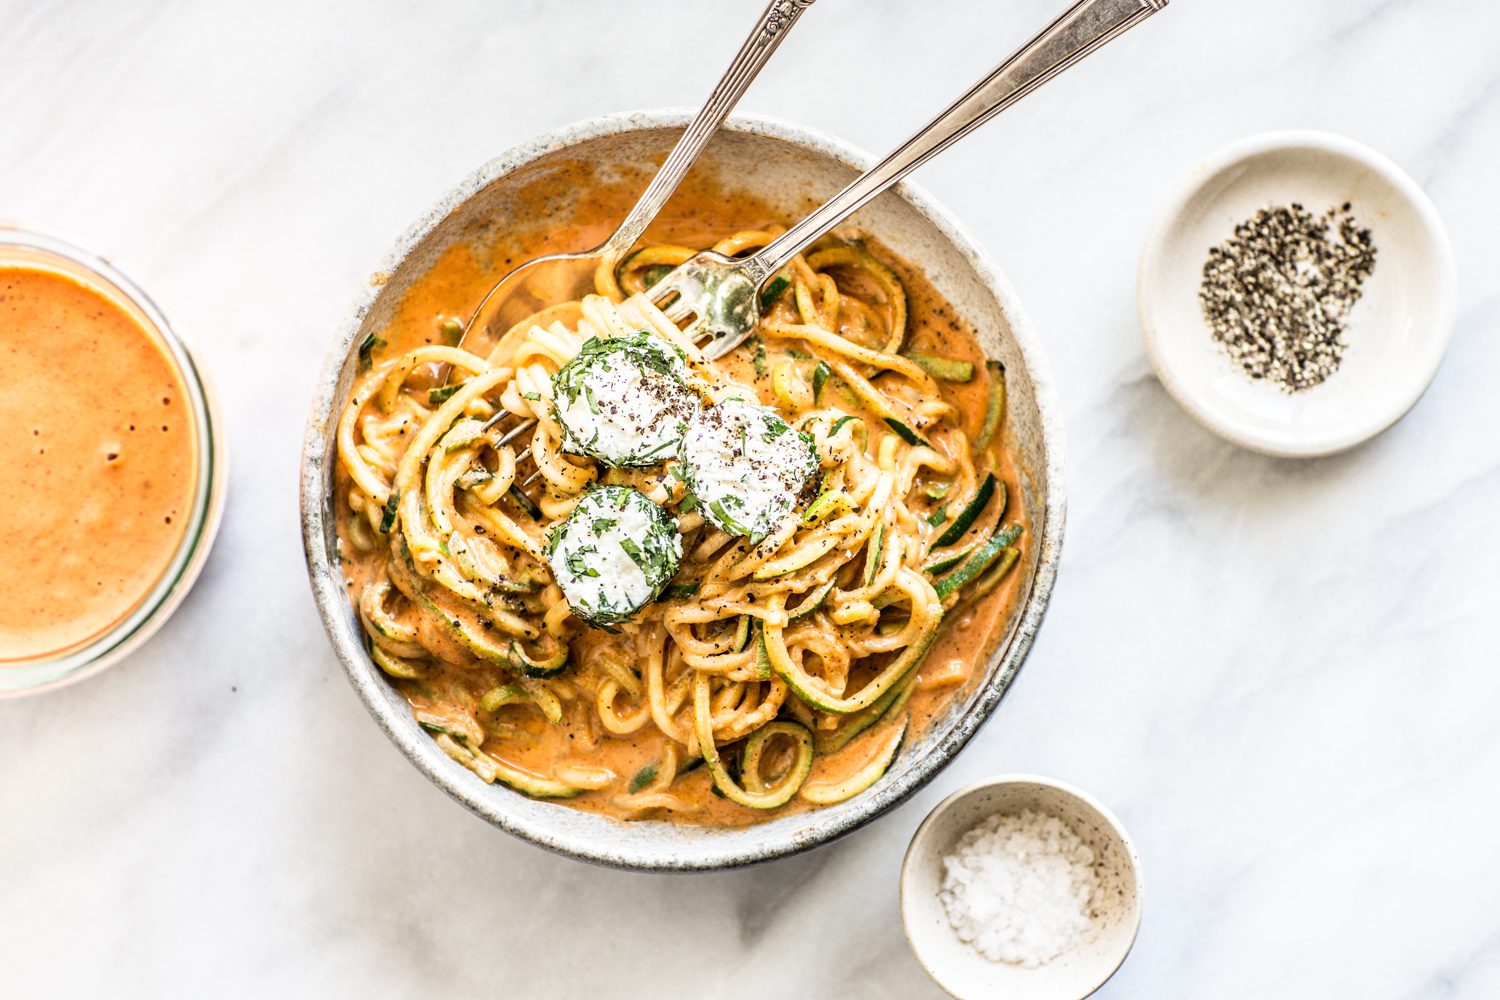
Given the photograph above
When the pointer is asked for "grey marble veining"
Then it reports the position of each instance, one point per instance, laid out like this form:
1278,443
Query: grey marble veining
1281,676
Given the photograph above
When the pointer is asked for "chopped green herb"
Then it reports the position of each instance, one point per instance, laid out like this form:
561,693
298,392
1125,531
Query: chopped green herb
643,777
820,379
442,393
758,359
367,349
725,518
388,517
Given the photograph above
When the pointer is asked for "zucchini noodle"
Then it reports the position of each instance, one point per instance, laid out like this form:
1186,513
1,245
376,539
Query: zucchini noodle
764,658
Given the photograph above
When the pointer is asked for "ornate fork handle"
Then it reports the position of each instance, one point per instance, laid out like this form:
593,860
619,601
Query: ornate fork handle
1079,31
774,23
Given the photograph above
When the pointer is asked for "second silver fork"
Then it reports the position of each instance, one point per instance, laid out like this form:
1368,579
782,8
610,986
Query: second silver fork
720,296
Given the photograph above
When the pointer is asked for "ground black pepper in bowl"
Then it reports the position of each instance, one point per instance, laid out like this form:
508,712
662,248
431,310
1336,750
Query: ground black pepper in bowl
1277,294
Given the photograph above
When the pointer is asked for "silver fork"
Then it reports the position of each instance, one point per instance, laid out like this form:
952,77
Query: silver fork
513,298
535,284
721,296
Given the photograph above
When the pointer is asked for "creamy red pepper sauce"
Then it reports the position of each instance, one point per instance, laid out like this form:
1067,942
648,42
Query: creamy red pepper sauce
97,462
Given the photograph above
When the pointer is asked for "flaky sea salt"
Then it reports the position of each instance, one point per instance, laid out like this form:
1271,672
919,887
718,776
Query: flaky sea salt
1021,888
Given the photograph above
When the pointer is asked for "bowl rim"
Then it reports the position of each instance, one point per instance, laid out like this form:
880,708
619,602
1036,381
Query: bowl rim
1150,285
332,603
922,846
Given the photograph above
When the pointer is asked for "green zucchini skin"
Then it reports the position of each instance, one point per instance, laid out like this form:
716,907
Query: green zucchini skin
812,602
823,503
981,560
940,566
863,779
943,565
774,289
367,349
388,513
524,502
440,394
994,410
877,550
889,704
905,433
679,591
966,517
943,369
820,379
541,668
838,424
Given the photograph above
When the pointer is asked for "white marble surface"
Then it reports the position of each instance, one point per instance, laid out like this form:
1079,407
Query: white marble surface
1282,676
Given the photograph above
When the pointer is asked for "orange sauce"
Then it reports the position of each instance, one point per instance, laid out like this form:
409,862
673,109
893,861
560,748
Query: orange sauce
97,462
699,215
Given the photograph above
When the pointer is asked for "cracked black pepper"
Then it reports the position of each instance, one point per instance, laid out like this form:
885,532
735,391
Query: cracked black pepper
1277,294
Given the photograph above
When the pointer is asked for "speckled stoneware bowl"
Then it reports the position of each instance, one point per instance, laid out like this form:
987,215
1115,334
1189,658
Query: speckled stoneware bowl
784,165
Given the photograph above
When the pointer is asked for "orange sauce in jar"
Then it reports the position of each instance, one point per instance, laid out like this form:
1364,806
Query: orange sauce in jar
98,464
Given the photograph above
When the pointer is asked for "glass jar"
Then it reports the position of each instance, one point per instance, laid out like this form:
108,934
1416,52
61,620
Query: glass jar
102,649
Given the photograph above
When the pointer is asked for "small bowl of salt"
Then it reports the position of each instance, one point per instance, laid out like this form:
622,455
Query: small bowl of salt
1021,887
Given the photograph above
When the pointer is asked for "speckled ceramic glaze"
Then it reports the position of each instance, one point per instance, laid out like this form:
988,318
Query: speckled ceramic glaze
961,970
785,165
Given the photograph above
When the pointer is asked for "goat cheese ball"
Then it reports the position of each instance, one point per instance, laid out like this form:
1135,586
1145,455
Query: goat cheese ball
745,466
613,554
624,401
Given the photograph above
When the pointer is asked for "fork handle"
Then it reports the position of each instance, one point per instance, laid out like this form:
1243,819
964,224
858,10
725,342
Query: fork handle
1082,29
774,24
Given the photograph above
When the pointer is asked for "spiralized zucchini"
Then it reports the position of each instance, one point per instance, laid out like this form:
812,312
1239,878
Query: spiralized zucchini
553,643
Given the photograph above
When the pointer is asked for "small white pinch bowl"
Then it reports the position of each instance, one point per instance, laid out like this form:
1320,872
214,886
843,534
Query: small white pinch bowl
1398,331
960,970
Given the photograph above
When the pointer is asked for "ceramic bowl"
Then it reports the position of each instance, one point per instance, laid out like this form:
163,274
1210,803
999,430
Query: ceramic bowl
968,975
1398,331
790,168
